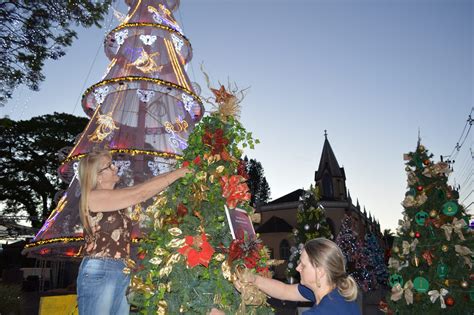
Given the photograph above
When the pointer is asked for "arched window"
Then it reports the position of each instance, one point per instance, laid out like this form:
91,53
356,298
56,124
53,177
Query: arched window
328,190
284,250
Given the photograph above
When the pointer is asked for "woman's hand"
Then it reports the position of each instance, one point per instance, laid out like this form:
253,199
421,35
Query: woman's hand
215,311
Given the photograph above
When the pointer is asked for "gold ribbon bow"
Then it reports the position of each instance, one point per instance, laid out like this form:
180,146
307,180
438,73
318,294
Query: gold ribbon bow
395,264
465,252
407,247
435,294
456,226
250,294
398,292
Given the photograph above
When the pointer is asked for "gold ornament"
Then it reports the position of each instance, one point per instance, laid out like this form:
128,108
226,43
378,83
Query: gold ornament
412,234
162,308
396,250
219,257
464,284
415,261
176,242
175,231
446,282
444,248
105,126
433,213
226,271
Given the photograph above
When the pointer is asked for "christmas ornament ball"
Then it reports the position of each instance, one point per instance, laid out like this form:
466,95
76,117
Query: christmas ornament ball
396,249
421,147
306,227
449,301
427,162
412,234
417,234
471,277
464,284
444,248
419,188
433,213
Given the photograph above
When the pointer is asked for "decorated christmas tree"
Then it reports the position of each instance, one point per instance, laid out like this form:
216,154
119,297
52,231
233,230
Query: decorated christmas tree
431,263
351,246
310,223
376,268
190,255
142,111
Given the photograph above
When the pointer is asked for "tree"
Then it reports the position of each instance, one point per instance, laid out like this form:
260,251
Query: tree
257,182
190,256
352,248
376,262
431,263
310,223
28,155
32,32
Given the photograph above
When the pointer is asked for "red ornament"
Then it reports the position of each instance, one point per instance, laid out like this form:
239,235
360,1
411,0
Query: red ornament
419,188
417,234
197,250
427,162
471,277
449,301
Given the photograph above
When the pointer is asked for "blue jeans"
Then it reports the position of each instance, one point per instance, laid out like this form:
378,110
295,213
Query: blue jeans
101,287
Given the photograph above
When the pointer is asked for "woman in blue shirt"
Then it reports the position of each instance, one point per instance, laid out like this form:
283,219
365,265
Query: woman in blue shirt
323,281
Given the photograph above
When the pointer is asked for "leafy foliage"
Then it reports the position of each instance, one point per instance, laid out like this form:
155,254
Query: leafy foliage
431,263
32,32
186,264
28,154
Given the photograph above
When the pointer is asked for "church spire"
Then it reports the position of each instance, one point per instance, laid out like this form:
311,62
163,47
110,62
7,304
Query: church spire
328,162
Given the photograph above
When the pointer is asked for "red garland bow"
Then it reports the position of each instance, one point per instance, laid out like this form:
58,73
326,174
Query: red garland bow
196,257
234,189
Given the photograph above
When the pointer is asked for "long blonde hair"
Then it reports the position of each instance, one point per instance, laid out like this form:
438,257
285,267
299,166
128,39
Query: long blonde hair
89,168
326,254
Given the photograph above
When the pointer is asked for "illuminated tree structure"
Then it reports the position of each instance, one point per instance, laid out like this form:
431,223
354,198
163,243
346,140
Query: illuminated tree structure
142,111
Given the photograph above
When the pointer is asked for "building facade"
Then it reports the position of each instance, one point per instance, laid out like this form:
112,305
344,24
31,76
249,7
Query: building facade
278,217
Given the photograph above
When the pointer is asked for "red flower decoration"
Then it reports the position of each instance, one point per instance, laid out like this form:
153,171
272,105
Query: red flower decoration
234,189
215,140
197,250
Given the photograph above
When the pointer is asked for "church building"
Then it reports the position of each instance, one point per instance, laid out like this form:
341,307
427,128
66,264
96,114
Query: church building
278,217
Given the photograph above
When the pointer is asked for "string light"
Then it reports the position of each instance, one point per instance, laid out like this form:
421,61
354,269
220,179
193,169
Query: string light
146,79
127,151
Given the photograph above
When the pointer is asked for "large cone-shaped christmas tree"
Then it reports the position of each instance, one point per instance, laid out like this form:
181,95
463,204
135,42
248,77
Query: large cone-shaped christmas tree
431,263
142,111
190,256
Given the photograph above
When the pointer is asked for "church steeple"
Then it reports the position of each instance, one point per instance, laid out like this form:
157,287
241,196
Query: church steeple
330,177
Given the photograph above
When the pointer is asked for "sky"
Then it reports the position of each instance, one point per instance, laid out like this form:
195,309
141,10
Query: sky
375,74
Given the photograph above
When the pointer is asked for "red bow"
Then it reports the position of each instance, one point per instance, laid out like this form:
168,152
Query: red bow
202,255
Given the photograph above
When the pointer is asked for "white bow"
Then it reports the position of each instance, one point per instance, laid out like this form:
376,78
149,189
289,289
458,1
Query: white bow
435,294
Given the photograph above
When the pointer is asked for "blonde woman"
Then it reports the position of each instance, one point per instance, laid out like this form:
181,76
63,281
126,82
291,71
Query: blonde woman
101,282
323,281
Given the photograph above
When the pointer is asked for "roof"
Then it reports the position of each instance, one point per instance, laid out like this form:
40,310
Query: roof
328,162
275,225
292,196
